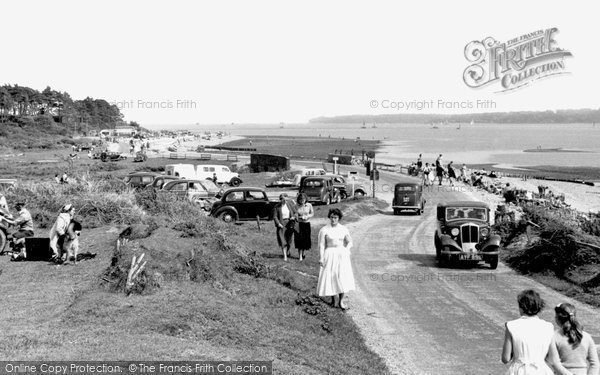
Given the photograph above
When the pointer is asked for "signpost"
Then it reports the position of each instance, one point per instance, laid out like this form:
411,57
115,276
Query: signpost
335,159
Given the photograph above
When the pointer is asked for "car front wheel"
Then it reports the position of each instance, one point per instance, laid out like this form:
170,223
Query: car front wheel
359,194
228,216
235,181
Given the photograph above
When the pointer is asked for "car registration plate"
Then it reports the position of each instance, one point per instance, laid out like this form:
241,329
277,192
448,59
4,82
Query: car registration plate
406,199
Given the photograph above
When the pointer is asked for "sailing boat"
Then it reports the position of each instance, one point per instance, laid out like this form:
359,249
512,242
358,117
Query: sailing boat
364,126
472,122
458,127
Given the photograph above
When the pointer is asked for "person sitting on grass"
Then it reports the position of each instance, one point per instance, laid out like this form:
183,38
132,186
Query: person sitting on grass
24,222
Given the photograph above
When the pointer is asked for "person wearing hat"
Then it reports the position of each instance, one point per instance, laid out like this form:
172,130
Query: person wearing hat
284,216
59,229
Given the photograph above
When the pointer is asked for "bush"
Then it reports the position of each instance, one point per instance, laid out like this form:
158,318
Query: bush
557,246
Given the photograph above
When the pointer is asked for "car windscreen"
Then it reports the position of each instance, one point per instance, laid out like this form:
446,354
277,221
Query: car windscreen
457,213
210,186
313,183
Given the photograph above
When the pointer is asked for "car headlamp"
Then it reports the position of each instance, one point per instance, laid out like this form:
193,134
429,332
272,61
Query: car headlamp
485,232
454,232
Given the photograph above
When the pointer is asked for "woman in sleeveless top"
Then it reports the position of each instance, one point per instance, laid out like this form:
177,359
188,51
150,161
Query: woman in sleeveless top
529,340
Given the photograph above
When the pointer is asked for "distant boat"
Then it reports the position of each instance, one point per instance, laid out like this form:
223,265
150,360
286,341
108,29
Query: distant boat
472,122
364,126
458,127
434,125
374,126
281,125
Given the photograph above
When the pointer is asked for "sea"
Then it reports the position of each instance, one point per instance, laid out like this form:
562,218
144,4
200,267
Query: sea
503,145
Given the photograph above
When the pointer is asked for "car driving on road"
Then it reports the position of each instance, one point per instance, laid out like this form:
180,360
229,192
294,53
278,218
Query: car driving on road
408,196
464,234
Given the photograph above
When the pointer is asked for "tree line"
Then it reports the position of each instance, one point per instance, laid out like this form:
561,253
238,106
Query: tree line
18,102
564,116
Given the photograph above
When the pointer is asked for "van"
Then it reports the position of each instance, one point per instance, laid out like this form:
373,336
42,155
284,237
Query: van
224,174
204,172
187,171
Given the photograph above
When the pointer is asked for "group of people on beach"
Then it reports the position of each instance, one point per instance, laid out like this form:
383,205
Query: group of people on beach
292,220
533,347
437,171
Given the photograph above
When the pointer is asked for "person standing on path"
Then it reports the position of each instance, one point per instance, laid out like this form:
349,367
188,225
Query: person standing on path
529,341
304,212
336,277
576,348
451,173
426,172
284,217
439,169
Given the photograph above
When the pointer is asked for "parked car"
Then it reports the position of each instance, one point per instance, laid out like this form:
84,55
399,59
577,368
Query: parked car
160,180
139,180
464,234
345,186
242,204
111,156
320,189
202,192
408,196
140,156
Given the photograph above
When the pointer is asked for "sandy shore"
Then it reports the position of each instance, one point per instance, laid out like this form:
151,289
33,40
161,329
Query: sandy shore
580,197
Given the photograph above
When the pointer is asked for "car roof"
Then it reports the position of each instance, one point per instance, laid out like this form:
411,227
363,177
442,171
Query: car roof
320,177
246,188
407,184
464,204
132,174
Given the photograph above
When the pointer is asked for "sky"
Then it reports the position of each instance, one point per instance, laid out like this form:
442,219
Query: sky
218,62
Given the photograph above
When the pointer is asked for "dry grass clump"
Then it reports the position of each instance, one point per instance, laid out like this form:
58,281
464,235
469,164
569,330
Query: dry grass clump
97,201
555,244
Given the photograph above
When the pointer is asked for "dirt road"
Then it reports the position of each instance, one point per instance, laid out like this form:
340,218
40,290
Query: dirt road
427,320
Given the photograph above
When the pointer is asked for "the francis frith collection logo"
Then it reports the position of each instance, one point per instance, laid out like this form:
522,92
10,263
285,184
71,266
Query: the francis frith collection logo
515,63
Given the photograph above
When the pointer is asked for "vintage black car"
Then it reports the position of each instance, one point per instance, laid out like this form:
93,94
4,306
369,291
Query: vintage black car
202,192
408,196
320,189
242,204
345,186
139,180
464,234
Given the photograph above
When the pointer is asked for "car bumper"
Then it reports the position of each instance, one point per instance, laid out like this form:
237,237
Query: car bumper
406,207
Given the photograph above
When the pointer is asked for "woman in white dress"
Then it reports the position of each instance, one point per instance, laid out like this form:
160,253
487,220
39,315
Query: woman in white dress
529,341
335,276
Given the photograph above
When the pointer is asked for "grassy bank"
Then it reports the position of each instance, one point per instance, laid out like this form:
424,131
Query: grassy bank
556,248
208,290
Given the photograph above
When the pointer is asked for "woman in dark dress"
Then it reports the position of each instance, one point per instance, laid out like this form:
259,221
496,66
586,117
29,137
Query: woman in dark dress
304,212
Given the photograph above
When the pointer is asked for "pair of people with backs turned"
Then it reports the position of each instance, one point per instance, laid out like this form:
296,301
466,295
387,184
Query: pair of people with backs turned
532,346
